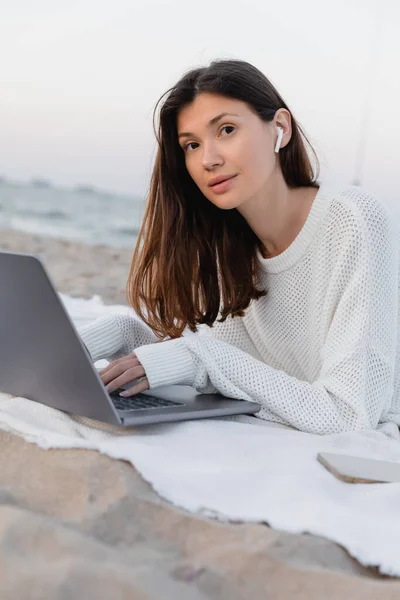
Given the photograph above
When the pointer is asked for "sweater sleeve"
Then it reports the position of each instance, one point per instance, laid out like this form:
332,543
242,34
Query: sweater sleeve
355,384
114,336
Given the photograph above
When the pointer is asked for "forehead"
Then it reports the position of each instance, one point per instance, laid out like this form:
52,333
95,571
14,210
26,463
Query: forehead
205,106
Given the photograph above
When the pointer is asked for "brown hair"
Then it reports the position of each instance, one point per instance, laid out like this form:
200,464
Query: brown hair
193,260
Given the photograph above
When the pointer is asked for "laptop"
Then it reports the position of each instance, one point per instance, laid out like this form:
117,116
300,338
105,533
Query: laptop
43,358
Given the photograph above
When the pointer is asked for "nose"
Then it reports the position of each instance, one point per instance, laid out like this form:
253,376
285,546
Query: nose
211,157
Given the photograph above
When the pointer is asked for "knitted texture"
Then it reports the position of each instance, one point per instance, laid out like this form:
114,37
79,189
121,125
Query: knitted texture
115,336
320,352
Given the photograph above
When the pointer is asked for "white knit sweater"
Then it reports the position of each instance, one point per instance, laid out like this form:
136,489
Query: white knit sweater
320,352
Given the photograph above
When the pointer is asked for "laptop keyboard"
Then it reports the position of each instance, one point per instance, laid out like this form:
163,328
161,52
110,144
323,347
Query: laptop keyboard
141,401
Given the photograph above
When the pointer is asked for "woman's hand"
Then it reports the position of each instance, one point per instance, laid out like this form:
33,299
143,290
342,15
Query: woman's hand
123,370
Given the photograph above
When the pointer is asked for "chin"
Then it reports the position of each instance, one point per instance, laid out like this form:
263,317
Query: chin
224,201
227,206
227,203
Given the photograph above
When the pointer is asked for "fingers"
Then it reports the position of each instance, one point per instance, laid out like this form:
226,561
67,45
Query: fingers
119,361
117,380
117,367
123,371
118,370
142,386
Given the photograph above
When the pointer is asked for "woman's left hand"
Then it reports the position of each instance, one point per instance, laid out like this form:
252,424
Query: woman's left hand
123,370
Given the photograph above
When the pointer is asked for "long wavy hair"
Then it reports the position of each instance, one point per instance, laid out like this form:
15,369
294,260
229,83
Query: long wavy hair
194,261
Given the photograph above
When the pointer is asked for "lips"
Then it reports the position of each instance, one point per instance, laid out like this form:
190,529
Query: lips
220,179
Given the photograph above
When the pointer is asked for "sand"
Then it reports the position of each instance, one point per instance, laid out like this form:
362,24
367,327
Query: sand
76,524
77,269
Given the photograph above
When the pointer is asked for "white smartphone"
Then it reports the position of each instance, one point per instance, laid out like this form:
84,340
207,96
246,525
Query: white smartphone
356,469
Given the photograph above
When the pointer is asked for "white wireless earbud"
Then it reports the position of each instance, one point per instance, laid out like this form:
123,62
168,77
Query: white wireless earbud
279,140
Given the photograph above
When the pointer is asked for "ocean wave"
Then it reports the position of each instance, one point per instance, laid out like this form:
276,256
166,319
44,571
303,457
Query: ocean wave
128,230
47,214
70,214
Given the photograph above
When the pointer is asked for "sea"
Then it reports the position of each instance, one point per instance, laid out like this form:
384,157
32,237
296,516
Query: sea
82,213
85,213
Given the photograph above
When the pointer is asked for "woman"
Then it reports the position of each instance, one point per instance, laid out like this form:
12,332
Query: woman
256,281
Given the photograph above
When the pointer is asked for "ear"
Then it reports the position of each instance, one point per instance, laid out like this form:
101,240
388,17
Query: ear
283,119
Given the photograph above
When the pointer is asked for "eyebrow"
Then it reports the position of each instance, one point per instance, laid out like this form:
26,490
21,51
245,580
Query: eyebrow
212,122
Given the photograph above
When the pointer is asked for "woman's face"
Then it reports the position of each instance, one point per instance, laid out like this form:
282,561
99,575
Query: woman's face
224,141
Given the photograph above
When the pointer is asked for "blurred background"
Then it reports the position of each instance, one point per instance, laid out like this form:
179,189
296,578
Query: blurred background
79,81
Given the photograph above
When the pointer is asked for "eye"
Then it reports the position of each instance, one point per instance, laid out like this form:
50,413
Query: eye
228,128
187,147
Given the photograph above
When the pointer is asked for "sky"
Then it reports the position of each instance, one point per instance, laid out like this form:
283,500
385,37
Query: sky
79,80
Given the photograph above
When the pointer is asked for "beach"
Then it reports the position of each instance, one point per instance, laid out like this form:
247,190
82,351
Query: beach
75,523
77,269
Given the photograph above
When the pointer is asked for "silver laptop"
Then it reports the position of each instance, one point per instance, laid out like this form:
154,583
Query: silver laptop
43,358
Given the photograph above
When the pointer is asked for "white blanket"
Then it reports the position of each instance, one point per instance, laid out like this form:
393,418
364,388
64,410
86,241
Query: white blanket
238,471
